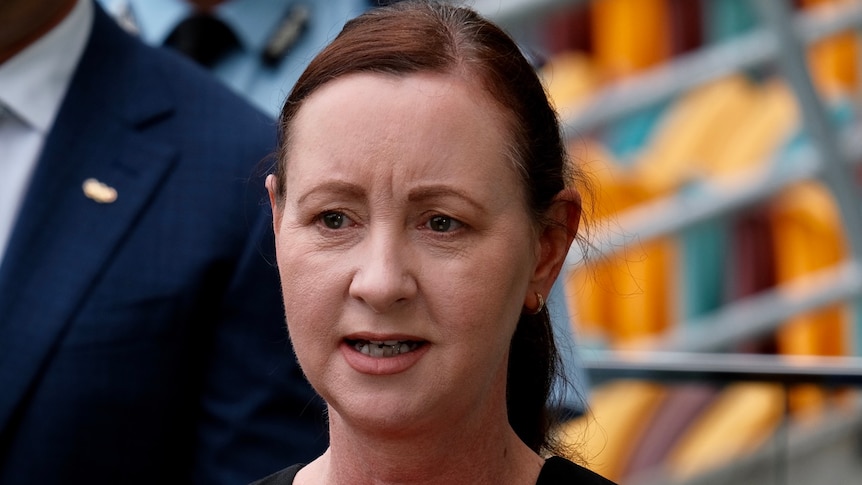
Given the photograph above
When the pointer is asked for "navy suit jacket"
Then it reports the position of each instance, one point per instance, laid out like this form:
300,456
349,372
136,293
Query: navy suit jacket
145,339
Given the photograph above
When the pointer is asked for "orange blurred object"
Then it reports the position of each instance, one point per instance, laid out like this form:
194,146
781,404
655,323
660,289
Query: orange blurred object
833,61
806,225
630,35
620,297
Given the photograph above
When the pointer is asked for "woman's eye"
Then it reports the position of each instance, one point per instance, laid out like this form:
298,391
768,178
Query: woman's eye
334,220
443,224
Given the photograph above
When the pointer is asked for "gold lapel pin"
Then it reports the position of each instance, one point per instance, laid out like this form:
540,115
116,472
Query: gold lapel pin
99,192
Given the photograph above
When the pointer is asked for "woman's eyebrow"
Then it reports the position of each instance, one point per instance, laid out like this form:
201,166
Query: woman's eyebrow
333,187
427,192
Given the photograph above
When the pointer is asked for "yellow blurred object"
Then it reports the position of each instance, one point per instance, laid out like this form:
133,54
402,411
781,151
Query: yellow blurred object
770,119
742,418
807,231
608,434
695,126
833,61
630,35
570,78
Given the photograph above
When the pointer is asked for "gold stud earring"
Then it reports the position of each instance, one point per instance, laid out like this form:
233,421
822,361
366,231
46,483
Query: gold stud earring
541,305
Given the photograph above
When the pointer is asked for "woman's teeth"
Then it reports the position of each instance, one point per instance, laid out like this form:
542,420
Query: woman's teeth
384,348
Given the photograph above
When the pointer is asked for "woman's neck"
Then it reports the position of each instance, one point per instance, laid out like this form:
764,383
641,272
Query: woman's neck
486,452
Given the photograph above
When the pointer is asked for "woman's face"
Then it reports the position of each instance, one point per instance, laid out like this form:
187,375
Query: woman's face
405,249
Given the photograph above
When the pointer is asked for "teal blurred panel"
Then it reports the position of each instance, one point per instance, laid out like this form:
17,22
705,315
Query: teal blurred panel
724,19
626,137
703,266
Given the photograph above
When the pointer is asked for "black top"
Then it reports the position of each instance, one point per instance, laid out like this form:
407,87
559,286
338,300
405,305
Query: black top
283,477
560,471
556,471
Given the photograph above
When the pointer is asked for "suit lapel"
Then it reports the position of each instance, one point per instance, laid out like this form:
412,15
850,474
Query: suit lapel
63,239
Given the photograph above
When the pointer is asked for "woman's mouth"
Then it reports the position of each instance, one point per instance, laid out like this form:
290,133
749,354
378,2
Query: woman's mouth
384,348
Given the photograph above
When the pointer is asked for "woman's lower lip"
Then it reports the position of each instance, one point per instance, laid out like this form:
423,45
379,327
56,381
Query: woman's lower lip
367,364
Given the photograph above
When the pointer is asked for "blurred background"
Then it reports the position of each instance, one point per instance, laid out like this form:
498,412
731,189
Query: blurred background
716,304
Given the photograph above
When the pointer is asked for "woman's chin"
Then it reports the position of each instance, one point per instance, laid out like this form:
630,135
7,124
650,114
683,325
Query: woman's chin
383,416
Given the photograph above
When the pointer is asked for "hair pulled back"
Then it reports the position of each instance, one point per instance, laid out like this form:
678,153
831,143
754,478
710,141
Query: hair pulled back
426,36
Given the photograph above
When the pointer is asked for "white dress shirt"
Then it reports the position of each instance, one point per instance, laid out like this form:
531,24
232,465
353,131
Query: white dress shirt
32,86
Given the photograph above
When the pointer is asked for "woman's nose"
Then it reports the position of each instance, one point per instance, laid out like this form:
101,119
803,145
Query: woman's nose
383,278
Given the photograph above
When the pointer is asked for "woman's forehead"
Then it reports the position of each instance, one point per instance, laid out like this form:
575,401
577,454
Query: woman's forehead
407,128
399,110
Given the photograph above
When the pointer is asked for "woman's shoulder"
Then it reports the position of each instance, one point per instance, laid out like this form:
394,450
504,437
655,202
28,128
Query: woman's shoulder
282,477
560,471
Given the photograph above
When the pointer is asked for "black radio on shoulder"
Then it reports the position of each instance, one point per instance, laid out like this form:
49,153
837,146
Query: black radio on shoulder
286,34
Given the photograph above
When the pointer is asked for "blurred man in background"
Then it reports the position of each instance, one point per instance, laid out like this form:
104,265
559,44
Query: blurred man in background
141,327
257,47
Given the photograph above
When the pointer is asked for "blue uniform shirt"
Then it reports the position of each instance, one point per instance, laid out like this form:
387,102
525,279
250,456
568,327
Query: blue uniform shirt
253,22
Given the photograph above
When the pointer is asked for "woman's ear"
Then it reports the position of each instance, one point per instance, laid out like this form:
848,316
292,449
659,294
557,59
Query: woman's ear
272,189
556,239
